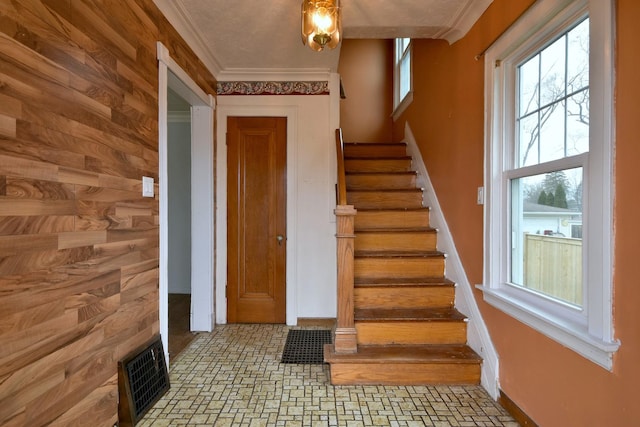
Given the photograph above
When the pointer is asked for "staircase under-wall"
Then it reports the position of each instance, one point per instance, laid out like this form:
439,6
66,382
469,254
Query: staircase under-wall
408,329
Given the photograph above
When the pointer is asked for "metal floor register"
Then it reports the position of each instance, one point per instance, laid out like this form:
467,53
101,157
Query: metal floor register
305,346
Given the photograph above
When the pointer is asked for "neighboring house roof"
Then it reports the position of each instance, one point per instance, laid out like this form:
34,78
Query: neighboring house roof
530,207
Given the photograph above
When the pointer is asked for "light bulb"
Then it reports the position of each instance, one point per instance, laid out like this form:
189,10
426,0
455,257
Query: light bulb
322,20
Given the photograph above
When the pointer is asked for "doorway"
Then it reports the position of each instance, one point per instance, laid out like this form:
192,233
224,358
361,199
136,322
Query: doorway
256,219
201,206
179,217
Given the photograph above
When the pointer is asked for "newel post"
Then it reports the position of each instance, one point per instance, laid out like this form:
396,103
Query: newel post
345,337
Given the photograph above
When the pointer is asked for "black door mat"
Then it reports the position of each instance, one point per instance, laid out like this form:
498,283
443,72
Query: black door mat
306,346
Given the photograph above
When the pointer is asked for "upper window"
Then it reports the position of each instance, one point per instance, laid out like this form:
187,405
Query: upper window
402,94
548,225
552,99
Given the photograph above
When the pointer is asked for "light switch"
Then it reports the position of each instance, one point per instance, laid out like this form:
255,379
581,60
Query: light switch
147,186
480,199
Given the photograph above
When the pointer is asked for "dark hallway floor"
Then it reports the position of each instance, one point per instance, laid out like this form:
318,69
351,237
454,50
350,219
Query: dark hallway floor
179,334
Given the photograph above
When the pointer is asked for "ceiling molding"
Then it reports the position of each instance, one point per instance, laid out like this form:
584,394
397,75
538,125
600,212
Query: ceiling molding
462,22
218,32
273,74
179,18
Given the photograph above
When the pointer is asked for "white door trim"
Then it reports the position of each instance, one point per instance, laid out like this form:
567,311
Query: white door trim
170,74
291,113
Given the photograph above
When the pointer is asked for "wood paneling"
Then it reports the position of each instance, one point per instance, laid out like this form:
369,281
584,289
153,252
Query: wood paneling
78,243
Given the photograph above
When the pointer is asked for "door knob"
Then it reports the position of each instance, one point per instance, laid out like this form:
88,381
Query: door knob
279,238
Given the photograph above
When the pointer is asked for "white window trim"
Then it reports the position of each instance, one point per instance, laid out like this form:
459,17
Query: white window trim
593,336
401,104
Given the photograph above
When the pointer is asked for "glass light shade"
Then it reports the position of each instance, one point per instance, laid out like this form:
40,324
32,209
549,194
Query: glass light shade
321,24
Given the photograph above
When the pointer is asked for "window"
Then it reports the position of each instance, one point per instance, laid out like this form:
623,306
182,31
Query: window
551,129
548,228
402,76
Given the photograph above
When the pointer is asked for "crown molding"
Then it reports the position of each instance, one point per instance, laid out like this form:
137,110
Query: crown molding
179,18
462,22
274,74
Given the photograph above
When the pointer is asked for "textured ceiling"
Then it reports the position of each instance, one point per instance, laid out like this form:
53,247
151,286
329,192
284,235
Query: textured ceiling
261,35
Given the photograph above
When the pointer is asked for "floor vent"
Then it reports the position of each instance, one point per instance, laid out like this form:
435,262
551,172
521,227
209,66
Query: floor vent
306,346
143,379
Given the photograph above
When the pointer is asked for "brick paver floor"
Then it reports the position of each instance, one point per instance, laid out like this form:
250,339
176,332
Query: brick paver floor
233,377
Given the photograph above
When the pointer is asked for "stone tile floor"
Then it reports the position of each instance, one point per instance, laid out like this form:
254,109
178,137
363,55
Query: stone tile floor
233,377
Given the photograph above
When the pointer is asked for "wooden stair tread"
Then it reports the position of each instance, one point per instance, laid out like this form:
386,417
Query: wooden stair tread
397,281
398,230
373,159
430,353
374,144
407,327
398,254
386,190
382,189
377,173
394,210
408,314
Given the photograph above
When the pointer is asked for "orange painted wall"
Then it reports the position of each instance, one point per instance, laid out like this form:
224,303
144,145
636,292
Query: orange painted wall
366,69
553,385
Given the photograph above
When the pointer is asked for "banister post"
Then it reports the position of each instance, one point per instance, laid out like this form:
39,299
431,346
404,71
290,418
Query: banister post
345,334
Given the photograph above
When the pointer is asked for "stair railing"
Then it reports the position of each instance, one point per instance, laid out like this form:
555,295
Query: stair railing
345,340
342,181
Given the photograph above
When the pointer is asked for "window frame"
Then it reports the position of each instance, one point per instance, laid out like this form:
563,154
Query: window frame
401,103
590,331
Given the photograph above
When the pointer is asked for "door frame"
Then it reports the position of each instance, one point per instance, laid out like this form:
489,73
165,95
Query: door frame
170,74
267,302
291,113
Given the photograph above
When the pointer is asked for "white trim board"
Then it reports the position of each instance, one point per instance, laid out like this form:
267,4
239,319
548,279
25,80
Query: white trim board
477,333
291,113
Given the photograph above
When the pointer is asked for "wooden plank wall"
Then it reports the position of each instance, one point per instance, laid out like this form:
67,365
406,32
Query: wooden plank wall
78,243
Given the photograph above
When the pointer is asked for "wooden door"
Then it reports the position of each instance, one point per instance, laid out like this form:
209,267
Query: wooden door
256,218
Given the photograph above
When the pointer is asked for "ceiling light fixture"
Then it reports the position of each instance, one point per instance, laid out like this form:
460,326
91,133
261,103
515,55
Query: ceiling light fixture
321,24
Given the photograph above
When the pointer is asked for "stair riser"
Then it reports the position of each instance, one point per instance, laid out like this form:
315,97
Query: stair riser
385,200
380,181
419,241
404,373
381,165
404,297
391,219
375,268
375,150
411,333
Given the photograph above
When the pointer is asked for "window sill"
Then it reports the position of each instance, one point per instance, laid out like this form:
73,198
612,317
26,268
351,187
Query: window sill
569,334
406,101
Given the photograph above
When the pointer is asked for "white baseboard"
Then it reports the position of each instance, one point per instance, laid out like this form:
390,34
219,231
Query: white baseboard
477,334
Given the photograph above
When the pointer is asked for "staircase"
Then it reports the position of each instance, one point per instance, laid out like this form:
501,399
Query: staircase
408,331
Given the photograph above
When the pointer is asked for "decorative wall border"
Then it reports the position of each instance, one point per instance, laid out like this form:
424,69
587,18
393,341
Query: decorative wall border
273,88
